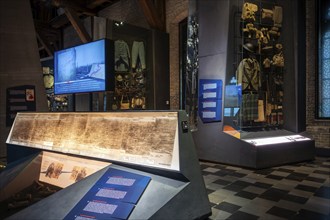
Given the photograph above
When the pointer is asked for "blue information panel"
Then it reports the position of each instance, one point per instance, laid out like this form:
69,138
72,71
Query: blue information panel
210,100
113,196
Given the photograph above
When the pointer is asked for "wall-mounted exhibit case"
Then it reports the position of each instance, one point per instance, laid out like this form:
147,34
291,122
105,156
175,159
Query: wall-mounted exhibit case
141,64
53,150
141,68
264,81
144,82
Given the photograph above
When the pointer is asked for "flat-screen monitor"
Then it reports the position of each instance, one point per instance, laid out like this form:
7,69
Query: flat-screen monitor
85,68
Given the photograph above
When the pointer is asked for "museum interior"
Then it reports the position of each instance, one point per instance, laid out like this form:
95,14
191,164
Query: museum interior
175,109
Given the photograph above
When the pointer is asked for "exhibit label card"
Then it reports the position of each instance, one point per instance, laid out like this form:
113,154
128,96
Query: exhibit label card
114,195
210,100
120,185
100,209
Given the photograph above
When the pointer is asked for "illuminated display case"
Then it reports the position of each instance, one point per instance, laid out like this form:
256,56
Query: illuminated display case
255,87
261,107
142,138
255,49
157,145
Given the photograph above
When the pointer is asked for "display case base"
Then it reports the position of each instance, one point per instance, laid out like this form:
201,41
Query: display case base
164,198
170,194
228,149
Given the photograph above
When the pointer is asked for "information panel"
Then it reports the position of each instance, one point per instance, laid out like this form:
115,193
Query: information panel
19,98
210,100
114,196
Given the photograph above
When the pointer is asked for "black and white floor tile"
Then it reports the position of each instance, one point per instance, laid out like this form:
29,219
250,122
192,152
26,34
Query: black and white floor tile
296,191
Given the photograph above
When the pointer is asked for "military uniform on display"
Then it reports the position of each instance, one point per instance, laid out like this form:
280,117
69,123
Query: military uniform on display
262,85
131,71
248,76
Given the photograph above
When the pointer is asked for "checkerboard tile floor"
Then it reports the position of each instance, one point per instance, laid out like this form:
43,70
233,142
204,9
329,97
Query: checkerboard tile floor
296,191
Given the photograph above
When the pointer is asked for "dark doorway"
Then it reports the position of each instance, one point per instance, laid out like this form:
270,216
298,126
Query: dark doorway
183,60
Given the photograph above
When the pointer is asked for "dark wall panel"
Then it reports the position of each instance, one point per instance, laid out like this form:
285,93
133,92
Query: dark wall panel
19,58
213,18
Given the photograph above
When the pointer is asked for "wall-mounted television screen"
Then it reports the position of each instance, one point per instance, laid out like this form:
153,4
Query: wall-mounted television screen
84,68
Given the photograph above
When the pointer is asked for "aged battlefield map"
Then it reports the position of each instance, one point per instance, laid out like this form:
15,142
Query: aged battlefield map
147,138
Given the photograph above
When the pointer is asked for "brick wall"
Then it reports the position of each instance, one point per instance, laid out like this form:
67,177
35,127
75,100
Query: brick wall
176,11
318,129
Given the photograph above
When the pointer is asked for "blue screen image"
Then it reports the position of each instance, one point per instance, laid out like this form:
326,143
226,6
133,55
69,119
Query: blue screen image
80,69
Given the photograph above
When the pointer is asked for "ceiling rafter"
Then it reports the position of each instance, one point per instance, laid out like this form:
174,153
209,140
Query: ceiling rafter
50,18
46,28
96,3
77,25
75,6
59,21
150,13
45,44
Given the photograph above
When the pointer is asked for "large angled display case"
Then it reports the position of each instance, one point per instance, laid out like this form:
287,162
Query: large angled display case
157,146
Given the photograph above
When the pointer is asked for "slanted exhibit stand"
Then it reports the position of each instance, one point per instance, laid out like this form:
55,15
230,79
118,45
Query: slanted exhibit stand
259,152
114,165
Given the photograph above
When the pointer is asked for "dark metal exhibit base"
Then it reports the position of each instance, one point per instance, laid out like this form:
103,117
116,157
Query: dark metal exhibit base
230,150
164,198
169,195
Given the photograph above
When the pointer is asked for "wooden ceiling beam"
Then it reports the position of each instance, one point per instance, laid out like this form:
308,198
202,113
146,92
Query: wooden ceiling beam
160,6
75,6
95,3
59,21
44,27
45,44
151,14
77,25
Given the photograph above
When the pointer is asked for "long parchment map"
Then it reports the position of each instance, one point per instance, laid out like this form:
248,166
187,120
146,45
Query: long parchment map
147,138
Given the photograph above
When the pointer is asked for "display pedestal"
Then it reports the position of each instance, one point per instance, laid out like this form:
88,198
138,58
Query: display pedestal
170,194
231,150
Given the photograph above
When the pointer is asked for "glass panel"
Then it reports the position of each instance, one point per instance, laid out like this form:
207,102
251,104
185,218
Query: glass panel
325,89
140,137
326,46
326,69
324,60
325,111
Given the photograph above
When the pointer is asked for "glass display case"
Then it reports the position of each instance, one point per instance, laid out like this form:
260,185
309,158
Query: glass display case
145,138
132,68
254,90
255,49
141,68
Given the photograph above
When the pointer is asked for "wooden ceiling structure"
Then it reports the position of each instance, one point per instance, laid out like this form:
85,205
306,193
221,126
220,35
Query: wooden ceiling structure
51,16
